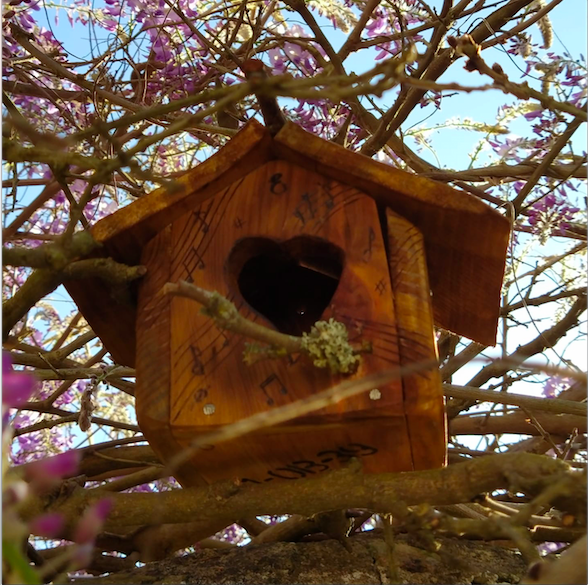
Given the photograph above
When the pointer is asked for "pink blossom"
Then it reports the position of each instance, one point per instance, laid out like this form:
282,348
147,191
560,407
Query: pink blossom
46,472
17,387
92,520
533,114
48,525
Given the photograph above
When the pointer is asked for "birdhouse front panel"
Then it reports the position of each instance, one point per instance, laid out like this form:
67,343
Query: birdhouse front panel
288,247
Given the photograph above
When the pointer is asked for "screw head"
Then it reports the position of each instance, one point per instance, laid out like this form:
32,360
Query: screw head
208,409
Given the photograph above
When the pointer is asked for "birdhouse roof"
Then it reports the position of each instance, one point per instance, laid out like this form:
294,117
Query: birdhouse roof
465,239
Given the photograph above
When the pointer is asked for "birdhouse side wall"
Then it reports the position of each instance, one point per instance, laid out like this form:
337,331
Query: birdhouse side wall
153,355
423,394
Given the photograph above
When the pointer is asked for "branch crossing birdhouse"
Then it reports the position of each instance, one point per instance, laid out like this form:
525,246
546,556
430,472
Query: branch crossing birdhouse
293,229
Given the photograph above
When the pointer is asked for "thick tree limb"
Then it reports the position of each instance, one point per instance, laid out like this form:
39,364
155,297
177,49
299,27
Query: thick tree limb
444,560
514,172
84,373
105,268
347,488
38,285
44,280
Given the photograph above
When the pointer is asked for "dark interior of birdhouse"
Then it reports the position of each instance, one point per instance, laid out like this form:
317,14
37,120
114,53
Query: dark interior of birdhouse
289,283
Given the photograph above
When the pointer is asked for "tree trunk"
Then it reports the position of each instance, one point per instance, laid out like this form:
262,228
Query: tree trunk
417,561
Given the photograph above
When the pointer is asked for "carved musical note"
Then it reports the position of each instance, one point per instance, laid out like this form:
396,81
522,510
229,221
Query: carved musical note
205,360
272,379
300,216
367,253
309,199
197,365
381,287
201,394
276,185
315,205
307,209
201,217
194,255
326,195
226,341
188,278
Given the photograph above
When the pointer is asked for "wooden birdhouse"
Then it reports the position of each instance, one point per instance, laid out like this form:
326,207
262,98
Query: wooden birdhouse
293,229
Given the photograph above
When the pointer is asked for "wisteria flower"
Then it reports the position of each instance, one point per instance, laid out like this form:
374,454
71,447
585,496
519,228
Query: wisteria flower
551,215
92,520
46,472
17,387
48,525
555,385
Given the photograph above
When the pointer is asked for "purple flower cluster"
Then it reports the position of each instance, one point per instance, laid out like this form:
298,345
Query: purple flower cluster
34,445
555,385
380,25
551,214
521,46
292,57
17,387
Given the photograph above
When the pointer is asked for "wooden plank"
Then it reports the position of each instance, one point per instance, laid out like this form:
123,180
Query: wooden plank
286,453
154,352
423,394
111,315
279,202
465,239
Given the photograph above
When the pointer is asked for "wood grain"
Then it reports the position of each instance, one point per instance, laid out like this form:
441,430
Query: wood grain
154,353
125,232
208,360
111,315
465,239
210,386
298,451
423,394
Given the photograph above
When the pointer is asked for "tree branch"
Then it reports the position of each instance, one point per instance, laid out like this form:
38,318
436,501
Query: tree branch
226,503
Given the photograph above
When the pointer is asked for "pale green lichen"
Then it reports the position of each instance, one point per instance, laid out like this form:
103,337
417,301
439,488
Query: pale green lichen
220,309
255,352
328,346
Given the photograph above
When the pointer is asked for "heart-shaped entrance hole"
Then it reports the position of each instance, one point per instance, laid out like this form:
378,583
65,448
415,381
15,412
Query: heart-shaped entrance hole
289,283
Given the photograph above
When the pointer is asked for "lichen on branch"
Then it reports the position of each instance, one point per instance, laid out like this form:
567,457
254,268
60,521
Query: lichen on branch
328,346
327,343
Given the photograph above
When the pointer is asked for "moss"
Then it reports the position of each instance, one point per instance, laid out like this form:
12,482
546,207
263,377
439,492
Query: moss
328,346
